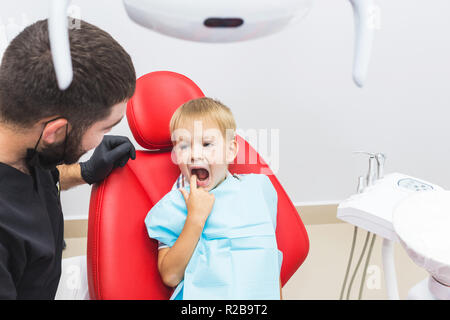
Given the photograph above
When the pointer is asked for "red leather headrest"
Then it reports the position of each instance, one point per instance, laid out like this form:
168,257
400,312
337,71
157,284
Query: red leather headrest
157,96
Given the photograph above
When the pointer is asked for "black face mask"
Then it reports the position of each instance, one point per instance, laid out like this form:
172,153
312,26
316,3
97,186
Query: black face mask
49,157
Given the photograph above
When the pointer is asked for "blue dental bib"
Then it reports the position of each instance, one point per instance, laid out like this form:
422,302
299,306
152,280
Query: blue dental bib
236,256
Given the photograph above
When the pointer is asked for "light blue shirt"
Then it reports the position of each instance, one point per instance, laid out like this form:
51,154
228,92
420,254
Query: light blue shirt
236,256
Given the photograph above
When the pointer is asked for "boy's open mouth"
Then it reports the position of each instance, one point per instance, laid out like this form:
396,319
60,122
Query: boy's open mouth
202,174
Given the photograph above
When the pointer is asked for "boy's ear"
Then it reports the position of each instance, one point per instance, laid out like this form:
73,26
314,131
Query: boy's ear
233,149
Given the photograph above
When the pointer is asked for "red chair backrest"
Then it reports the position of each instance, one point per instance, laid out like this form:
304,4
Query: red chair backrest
122,259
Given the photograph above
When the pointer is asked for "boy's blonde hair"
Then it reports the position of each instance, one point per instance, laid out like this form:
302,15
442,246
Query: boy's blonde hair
205,108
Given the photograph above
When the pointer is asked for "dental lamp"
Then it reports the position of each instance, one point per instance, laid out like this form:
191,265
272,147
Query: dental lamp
213,21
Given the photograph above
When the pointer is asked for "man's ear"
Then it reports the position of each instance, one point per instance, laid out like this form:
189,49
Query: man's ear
54,131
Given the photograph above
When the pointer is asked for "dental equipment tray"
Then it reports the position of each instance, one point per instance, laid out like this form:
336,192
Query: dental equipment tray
372,209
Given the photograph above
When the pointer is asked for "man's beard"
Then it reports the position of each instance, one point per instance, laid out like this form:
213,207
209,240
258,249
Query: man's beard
67,151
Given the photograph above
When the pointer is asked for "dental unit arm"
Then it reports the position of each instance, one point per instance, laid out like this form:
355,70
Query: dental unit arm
372,209
59,42
216,28
363,12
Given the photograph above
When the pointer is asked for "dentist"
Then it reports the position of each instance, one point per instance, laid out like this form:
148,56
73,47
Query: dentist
43,134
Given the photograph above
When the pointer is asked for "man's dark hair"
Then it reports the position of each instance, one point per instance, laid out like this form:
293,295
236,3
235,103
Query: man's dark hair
103,75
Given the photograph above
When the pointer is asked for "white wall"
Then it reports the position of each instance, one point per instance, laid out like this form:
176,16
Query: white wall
299,81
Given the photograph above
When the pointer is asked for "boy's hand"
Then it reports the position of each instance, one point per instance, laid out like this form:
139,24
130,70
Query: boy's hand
199,202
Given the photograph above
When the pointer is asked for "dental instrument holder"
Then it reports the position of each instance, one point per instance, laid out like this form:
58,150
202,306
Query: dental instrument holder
388,247
376,172
373,208
376,167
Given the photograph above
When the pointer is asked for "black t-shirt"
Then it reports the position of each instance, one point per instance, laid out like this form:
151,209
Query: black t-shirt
31,233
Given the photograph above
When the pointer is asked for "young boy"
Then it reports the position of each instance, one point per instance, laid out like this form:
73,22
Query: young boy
217,234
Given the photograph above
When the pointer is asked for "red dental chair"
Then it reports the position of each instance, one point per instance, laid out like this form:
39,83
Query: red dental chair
121,258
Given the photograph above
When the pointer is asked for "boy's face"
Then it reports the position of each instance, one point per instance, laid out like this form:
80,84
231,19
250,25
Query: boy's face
200,149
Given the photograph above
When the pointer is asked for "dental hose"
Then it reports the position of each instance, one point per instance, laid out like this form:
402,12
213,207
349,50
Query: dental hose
365,266
357,265
355,232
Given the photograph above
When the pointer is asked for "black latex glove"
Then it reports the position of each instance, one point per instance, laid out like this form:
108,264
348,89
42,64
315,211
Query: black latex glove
113,152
